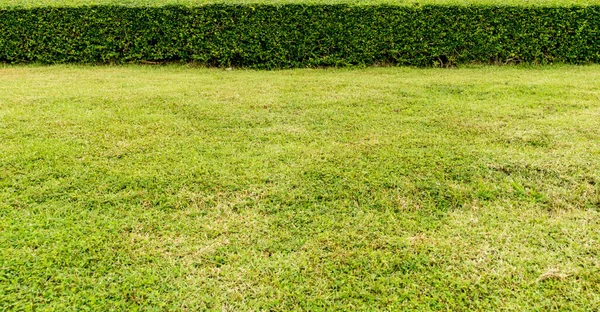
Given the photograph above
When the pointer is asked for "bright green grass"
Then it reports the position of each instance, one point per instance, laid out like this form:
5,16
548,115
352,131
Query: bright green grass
69,3
382,188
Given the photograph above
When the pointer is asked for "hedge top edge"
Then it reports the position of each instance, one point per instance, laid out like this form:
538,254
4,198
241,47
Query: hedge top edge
191,3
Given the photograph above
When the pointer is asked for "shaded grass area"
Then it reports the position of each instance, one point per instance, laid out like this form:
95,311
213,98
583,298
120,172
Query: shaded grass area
380,188
157,3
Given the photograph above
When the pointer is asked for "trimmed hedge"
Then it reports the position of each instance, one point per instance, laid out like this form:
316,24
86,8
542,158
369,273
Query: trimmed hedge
296,35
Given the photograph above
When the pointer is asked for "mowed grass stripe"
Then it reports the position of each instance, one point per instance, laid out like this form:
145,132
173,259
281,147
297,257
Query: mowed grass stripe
177,188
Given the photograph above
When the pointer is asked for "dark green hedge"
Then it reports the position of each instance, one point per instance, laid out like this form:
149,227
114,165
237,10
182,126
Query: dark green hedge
295,35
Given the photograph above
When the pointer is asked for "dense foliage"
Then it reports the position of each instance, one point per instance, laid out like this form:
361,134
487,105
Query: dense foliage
195,3
301,35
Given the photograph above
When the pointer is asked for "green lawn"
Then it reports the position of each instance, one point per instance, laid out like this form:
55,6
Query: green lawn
68,3
187,188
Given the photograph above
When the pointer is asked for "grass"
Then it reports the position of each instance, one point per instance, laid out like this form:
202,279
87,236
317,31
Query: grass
179,188
71,3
